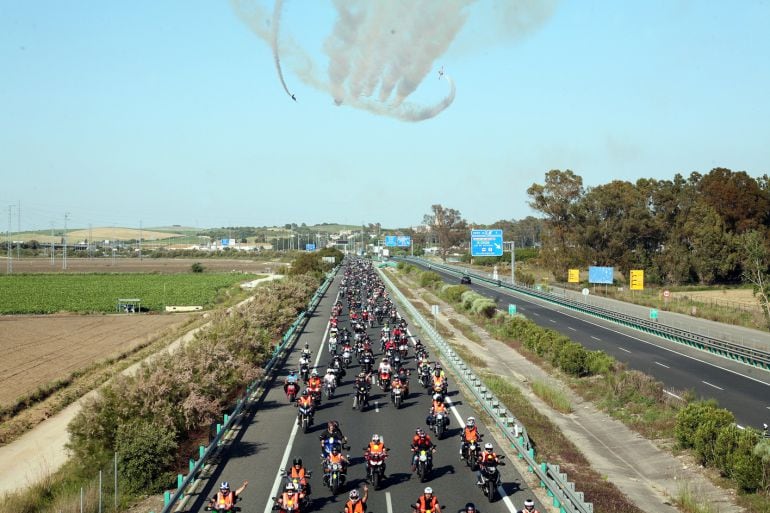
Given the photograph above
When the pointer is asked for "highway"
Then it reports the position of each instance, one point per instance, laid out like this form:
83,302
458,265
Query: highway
270,439
742,390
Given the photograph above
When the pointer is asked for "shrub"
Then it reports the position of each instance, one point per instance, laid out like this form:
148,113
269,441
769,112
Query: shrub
453,293
400,266
572,359
197,267
705,436
599,362
689,418
146,451
428,278
484,306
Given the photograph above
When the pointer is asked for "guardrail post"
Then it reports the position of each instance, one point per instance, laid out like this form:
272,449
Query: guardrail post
191,465
531,453
166,498
544,469
227,418
179,479
219,427
201,452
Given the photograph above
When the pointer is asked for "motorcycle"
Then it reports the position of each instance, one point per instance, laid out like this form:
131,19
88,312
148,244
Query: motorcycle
490,480
424,464
425,380
471,454
329,444
361,397
333,344
397,395
291,390
304,370
334,477
440,421
403,350
305,417
375,468
329,387
222,509
384,380
303,490
346,357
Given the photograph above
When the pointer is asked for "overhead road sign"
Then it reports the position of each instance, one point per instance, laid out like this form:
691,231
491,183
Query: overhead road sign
486,243
309,247
600,274
400,241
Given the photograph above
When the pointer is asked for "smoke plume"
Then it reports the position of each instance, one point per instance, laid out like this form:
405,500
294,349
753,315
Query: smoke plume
379,52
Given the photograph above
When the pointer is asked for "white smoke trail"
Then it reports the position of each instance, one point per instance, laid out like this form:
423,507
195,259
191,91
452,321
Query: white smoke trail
276,26
379,52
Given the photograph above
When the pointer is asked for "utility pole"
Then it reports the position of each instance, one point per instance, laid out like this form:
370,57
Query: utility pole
53,247
18,231
513,262
9,262
140,240
64,257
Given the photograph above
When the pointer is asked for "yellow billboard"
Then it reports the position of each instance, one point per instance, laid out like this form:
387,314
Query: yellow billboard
573,276
637,279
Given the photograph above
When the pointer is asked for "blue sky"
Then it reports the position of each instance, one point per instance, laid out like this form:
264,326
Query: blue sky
172,112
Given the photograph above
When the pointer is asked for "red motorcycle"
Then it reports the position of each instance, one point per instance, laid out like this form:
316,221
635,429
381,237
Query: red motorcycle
291,390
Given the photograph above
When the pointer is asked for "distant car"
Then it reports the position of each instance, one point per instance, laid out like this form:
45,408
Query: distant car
465,280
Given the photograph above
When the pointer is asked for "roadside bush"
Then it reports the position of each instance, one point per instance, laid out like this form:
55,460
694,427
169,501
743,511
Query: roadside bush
572,359
705,436
400,266
689,418
197,267
429,278
146,452
484,307
453,293
599,362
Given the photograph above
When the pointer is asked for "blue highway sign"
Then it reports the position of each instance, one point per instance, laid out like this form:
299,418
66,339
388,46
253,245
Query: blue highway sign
486,243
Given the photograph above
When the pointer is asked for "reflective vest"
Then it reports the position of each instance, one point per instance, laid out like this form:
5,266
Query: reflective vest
439,407
314,382
438,381
355,506
471,434
489,457
225,500
298,474
376,448
425,504
335,458
290,501
306,401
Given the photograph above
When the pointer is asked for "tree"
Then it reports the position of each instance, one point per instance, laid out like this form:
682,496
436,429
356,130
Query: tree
738,198
756,262
447,226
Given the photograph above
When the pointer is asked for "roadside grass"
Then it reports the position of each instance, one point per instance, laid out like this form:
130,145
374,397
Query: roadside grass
468,357
553,397
688,501
466,330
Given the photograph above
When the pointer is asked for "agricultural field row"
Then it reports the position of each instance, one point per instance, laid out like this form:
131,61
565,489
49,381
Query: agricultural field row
51,293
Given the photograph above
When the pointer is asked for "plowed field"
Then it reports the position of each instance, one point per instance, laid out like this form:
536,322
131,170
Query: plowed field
41,349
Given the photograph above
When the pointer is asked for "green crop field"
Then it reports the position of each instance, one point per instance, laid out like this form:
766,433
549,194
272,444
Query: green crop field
50,293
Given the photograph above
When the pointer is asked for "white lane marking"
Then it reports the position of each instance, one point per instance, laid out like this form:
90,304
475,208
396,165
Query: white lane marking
739,426
711,385
508,502
673,395
377,406
580,319
388,502
624,349
535,313
596,338
571,328
294,430
552,321
768,407
662,365
454,411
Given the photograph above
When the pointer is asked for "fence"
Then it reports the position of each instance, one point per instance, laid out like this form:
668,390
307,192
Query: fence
551,478
170,499
730,350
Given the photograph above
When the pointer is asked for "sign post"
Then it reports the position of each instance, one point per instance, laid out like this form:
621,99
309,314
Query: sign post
434,311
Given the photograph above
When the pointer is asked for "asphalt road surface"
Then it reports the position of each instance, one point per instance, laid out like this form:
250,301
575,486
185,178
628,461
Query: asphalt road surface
743,390
270,440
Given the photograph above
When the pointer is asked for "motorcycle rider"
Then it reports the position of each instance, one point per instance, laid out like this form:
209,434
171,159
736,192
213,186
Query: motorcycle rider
332,431
290,379
331,378
300,473
470,434
427,502
289,500
314,383
335,457
306,353
488,457
376,446
225,499
357,504
363,380
529,507
421,441
384,366
306,401
437,407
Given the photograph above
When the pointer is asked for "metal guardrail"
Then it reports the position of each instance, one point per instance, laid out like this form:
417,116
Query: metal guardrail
723,348
170,500
551,478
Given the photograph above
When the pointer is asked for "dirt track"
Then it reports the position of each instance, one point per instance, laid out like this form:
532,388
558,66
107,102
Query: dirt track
39,349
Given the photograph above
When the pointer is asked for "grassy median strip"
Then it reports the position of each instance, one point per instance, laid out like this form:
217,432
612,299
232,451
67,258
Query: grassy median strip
553,397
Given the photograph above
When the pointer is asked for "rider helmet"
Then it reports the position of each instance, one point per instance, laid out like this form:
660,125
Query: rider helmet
290,488
292,372
225,486
470,422
470,508
529,504
314,373
335,449
353,495
436,397
421,433
375,438
488,447
428,490
305,392
297,462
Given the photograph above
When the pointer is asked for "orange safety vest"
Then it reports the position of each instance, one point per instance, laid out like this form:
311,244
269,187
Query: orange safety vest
489,457
439,407
376,448
314,382
289,501
335,458
225,500
425,506
438,381
355,507
305,401
298,474
471,434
